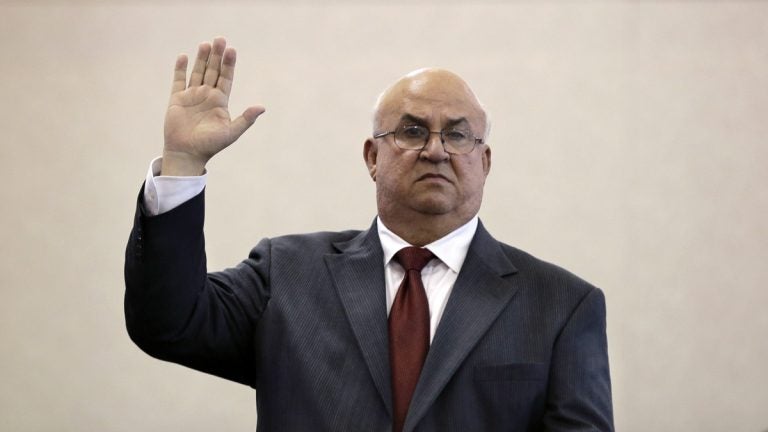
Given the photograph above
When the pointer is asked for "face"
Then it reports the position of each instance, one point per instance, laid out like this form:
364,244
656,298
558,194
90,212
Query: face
430,182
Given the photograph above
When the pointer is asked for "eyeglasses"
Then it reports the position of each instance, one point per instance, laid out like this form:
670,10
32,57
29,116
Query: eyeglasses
416,137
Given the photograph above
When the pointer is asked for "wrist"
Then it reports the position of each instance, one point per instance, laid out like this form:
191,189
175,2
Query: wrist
181,164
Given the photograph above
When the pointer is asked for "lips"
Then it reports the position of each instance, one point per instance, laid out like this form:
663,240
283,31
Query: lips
433,176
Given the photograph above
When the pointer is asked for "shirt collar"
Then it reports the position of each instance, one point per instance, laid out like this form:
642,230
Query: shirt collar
451,249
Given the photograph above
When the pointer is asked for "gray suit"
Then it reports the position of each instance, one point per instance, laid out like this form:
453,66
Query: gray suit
521,345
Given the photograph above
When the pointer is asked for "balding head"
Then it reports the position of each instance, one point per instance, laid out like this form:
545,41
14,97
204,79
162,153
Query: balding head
432,87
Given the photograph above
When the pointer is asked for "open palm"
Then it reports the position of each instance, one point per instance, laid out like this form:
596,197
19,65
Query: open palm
197,123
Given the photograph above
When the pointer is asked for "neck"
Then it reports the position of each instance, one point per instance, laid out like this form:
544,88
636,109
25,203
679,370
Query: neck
424,230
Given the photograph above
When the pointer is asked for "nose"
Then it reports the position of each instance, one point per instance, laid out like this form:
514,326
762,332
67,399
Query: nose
434,150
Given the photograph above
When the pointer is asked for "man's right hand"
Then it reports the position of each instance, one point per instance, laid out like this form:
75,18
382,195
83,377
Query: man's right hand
197,123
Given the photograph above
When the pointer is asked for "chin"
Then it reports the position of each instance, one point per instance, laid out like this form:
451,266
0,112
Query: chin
434,207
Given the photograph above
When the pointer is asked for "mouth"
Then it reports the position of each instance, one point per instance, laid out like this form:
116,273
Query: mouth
433,177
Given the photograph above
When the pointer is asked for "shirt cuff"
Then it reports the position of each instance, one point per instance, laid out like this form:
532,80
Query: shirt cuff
165,193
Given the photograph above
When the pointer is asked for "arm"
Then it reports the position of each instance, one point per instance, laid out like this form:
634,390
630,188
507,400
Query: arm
579,393
174,309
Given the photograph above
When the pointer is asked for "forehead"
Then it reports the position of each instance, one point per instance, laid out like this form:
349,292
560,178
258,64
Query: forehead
437,98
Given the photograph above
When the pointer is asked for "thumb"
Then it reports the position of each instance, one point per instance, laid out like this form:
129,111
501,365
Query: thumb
244,121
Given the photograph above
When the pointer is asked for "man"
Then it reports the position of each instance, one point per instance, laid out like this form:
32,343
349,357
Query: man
424,322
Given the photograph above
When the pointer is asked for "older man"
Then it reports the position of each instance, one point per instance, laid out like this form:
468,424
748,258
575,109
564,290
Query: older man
423,322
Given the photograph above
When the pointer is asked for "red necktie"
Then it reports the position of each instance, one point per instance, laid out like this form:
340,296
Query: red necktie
408,331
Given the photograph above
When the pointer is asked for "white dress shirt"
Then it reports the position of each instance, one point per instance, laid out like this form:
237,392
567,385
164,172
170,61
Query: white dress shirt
164,193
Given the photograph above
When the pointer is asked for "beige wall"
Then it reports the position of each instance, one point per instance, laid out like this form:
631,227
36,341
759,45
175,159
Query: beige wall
629,145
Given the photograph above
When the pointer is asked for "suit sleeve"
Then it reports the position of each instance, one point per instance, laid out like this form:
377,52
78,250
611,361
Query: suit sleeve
579,393
176,311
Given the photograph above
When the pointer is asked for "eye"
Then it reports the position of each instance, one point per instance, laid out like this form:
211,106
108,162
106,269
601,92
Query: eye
455,135
413,132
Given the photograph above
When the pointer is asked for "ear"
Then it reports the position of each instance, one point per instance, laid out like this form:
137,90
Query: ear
370,152
486,160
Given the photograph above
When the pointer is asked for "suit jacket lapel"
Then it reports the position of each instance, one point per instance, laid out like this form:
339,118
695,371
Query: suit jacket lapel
358,272
478,297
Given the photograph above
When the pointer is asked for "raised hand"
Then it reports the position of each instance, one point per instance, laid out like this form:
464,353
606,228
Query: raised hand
197,123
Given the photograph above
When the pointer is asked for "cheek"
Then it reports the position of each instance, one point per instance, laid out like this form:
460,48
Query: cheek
392,169
471,175
388,175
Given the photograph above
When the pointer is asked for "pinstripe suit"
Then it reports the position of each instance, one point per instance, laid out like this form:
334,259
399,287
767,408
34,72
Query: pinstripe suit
521,345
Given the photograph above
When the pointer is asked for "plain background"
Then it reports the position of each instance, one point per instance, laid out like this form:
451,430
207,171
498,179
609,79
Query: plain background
629,146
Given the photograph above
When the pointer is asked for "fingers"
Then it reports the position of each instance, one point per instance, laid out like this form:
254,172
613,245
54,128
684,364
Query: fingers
227,71
214,62
242,123
198,70
214,66
179,74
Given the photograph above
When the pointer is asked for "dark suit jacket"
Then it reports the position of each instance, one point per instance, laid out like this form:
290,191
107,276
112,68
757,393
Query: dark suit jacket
521,345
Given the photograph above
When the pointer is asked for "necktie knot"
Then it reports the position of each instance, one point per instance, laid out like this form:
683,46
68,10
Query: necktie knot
413,258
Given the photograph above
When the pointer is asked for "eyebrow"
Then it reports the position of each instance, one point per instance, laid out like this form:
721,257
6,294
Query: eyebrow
422,122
